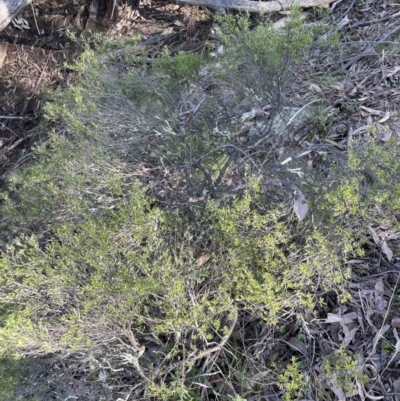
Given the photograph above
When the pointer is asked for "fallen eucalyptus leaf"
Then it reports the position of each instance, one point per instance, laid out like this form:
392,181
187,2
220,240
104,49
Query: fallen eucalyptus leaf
385,118
300,205
387,251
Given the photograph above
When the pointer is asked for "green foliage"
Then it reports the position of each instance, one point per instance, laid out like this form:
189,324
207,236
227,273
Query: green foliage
182,69
378,171
258,60
22,378
175,391
293,381
152,272
348,203
9,377
344,371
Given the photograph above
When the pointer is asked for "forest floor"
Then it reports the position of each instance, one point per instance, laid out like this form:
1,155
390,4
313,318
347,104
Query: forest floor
367,92
35,60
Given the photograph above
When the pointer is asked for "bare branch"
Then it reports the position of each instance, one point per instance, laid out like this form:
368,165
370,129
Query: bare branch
255,6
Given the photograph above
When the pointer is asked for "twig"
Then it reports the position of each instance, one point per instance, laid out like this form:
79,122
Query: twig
114,7
255,6
39,80
14,145
223,170
369,51
13,117
34,16
375,21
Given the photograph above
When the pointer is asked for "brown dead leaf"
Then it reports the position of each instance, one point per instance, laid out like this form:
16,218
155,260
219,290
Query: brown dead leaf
341,396
397,340
374,236
386,137
396,389
203,259
3,53
370,111
387,251
350,317
298,345
346,319
315,88
348,332
300,205
385,117
396,322
334,332
380,301
394,71
385,133
280,24
360,130
379,335
338,87
334,143
349,336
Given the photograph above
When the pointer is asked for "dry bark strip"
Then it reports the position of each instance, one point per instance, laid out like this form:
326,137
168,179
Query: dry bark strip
256,6
3,53
9,9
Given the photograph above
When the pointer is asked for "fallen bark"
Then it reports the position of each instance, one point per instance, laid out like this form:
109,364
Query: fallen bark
255,6
9,9
3,53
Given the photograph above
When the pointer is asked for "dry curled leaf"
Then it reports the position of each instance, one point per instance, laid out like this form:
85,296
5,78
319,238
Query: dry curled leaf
387,251
3,53
385,117
300,205
374,235
298,345
349,335
396,389
370,111
380,301
315,88
394,71
203,259
386,137
346,319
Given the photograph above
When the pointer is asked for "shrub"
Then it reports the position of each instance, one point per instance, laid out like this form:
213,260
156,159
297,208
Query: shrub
150,291
293,381
343,372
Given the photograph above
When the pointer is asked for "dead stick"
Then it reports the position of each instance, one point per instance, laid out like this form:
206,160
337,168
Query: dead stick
370,50
255,6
